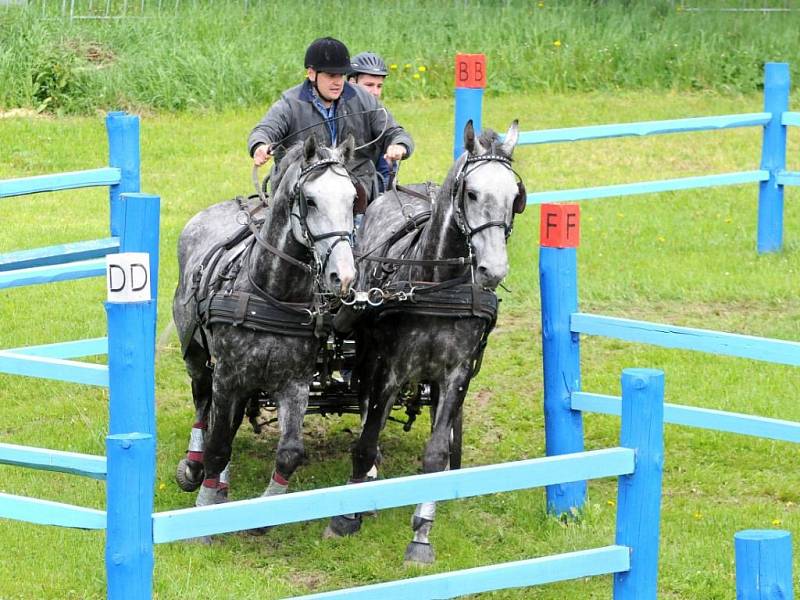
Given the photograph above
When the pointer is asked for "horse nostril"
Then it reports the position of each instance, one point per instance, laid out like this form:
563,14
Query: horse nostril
335,281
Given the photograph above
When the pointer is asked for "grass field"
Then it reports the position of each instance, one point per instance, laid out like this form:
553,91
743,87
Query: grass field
214,54
684,258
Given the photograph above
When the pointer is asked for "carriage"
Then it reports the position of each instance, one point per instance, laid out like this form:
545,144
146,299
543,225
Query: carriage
276,321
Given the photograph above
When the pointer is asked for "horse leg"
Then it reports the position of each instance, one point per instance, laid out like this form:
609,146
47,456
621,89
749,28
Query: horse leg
224,418
189,474
368,369
436,459
292,403
384,387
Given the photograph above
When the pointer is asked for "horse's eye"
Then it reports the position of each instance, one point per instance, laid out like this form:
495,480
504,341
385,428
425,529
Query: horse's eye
472,196
310,202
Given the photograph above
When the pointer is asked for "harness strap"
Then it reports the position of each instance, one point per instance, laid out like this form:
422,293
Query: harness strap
242,309
277,251
461,260
410,192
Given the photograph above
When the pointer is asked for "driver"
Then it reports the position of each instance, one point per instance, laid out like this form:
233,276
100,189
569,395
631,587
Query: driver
322,99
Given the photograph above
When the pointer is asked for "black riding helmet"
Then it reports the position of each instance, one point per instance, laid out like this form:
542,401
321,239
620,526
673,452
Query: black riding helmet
328,55
367,63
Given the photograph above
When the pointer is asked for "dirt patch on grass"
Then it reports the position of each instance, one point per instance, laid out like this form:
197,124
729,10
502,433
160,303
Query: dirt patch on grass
310,581
19,113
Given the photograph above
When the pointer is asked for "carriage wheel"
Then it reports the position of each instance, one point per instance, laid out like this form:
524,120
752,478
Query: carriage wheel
189,474
456,439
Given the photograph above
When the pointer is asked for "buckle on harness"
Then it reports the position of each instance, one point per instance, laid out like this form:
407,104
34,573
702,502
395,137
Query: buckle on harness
243,217
310,317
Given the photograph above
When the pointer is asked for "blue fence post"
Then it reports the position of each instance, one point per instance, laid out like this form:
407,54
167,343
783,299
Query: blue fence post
139,222
558,281
131,371
763,565
129,524
639,494
470,82
123,153
773,158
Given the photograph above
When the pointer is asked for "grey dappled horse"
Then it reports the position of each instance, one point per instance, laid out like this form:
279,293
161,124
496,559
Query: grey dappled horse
453,264
252,306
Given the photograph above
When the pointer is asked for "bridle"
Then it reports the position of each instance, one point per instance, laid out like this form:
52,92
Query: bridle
300,202
377,295
472,164
299,210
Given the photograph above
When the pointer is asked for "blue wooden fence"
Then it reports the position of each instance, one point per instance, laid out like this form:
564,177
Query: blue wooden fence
129,374
562,325
633,559
771,175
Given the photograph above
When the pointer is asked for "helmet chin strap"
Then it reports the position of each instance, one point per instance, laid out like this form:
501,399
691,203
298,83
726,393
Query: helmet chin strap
316,89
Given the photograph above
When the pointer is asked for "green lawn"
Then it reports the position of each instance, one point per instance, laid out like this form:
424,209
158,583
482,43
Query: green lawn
684,258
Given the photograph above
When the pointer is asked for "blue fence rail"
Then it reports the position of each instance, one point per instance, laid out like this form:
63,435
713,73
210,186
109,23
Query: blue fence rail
771,174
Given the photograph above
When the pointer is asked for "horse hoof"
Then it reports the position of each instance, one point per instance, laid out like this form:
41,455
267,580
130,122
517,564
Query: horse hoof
341,526
418,553
189,475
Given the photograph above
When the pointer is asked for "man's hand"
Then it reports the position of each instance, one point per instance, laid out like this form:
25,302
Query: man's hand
262,154
395,152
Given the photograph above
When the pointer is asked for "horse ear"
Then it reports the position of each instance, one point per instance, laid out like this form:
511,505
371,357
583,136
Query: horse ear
310,147
469,137
347,148
512,136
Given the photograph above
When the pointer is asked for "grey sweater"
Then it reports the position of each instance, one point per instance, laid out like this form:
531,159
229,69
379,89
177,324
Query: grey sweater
295,110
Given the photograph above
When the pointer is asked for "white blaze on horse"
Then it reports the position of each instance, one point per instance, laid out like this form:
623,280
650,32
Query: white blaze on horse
255,285
447,255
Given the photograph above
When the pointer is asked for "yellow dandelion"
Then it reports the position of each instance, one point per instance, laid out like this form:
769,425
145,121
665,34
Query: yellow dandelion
162,486
416,75
662,239
620,215
540,5
557,43
393,67
422,68
610,502
776,522
407,66
698,515
729,220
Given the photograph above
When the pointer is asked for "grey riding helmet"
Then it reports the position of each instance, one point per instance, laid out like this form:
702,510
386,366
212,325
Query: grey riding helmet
367,63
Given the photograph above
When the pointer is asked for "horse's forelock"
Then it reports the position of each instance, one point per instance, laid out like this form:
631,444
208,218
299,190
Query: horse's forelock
490,140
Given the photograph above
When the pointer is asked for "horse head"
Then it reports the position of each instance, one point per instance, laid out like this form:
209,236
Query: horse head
321,207
487,194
